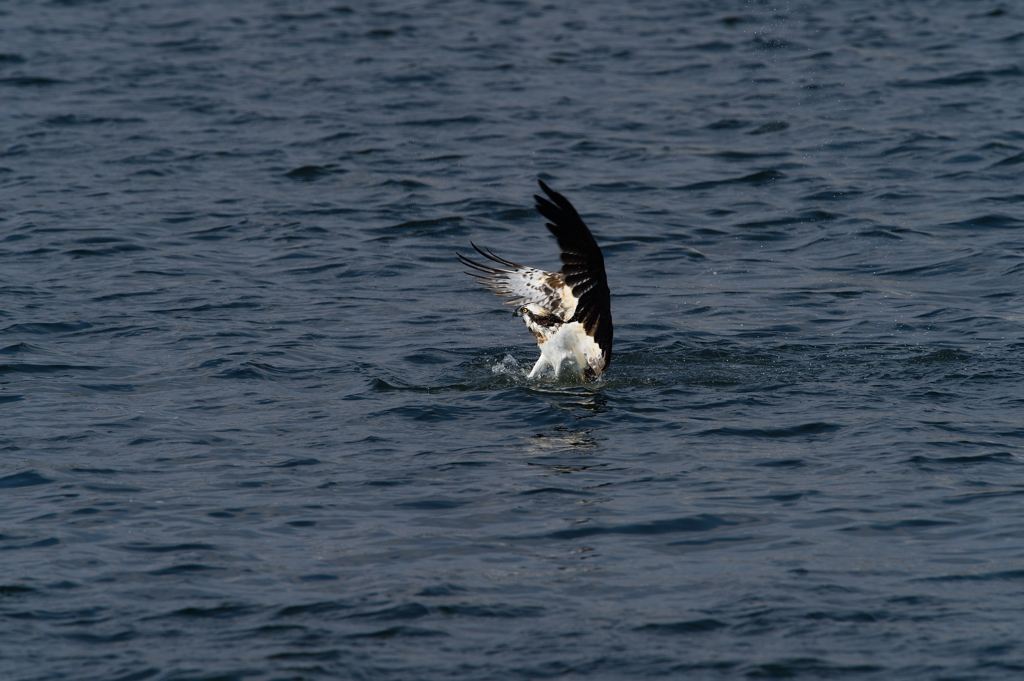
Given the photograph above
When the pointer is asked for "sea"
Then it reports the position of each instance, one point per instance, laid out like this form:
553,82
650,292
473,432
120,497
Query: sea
256,423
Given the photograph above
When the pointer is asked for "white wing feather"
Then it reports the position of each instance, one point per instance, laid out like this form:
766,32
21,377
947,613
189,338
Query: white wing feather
524,285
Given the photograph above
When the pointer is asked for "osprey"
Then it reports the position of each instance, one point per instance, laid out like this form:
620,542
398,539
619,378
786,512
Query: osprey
569,311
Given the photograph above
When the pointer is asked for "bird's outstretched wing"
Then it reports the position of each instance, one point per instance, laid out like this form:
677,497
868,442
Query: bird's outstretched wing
525,285
582,267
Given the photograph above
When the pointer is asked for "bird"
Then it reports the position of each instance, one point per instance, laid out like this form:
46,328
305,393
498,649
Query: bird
569,311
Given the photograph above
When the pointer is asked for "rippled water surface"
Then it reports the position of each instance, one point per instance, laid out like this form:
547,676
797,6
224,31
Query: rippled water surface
257,424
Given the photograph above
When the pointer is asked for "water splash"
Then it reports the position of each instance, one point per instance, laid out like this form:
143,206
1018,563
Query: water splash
508,366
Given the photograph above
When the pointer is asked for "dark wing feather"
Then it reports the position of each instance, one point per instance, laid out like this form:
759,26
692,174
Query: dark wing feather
582,267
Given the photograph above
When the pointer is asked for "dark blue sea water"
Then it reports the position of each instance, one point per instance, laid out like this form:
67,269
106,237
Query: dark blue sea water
256,423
